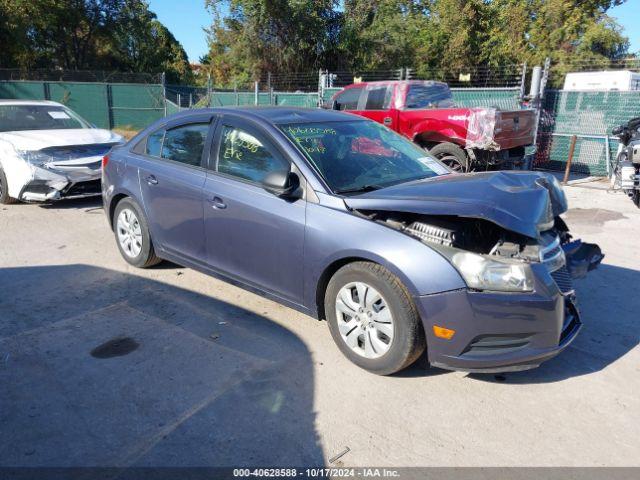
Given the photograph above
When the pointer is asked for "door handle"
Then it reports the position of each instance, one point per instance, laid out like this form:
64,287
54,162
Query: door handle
217,202
152,180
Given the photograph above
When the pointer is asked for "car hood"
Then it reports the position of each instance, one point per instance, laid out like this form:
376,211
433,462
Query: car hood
523,202
39,139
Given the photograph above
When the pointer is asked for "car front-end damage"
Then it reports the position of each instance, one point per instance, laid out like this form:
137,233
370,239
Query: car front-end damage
504,235
63,172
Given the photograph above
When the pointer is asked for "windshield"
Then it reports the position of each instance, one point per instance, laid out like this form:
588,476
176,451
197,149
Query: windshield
360,155
14,118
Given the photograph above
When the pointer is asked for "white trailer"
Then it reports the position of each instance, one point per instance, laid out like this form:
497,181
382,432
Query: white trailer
607,80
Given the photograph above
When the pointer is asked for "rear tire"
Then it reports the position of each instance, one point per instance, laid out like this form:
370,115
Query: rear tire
385,318
5,199
452,156
132,235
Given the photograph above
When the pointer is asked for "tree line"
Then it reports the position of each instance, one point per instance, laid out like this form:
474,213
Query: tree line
113,35
250,37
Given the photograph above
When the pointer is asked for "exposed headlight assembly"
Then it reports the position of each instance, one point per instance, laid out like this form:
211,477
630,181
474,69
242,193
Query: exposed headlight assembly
488,274
36,158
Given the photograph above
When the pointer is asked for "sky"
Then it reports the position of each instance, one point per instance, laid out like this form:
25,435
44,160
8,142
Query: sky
186,19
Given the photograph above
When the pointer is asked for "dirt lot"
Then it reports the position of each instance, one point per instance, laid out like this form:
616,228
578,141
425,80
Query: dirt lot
216,376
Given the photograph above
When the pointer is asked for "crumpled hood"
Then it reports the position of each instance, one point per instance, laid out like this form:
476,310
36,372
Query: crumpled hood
39,139
522,202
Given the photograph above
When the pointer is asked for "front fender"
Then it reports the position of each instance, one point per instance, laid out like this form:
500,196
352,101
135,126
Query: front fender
335,235
17,171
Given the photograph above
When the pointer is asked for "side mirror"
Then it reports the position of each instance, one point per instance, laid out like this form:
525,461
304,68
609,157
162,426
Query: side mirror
282,183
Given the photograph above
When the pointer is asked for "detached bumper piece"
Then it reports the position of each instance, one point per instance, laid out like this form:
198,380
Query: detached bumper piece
582,257
44,191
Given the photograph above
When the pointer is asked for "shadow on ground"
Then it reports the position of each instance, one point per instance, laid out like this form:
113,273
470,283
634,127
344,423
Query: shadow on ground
610,329
88,203
102,368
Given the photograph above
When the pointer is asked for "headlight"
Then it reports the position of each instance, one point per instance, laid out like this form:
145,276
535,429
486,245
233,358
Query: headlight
36,158
488,274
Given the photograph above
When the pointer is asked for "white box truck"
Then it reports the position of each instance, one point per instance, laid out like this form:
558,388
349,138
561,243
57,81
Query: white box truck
607,80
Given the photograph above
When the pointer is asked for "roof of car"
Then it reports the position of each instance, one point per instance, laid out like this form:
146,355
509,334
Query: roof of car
394,82
280,115
28,102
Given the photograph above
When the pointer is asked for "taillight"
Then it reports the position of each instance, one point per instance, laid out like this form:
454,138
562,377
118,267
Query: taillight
105,161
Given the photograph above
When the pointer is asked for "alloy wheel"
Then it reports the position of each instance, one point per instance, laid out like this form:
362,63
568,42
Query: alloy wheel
365,321
129,233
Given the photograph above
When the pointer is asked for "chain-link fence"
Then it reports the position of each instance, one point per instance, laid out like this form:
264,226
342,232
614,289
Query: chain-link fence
106,105
113,102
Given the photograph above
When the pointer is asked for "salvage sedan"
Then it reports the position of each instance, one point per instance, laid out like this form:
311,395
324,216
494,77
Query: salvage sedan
47,152
341,218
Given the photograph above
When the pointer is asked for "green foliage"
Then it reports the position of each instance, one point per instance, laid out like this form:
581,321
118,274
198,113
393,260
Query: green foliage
122,35
432,36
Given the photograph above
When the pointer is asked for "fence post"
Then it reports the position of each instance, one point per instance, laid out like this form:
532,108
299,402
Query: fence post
164,93
572,148
109,106
256,93
523,80
321,77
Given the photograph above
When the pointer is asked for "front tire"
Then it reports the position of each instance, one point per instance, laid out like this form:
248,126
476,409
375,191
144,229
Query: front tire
373,319
5,199
452,156
132,235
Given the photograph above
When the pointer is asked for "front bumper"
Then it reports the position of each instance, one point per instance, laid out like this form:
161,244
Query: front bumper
50,185
499,332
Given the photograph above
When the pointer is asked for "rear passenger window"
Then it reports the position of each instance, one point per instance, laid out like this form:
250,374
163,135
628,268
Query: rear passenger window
185,144
154,143
348,100
378,98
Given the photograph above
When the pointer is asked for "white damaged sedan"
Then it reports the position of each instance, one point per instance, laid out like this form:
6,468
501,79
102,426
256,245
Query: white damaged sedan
48,152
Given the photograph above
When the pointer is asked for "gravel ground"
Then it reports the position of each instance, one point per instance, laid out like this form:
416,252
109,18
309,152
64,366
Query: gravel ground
202,373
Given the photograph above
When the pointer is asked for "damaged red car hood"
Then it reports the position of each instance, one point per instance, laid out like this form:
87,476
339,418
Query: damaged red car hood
523,202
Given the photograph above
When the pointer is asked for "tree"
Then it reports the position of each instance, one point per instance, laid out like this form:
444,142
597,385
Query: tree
270,35
122,35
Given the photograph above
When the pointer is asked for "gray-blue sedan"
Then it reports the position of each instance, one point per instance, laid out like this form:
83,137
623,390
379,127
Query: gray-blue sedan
339,217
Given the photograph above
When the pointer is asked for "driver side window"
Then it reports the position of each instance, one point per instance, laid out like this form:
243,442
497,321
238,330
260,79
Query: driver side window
244,156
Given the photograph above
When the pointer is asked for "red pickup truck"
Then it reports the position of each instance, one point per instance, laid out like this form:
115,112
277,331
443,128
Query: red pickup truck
465,139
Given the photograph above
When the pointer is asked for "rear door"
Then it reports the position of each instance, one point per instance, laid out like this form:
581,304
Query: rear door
172,177
375,103
252,234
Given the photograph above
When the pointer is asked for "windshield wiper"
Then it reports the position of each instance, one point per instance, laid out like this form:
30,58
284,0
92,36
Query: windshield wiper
362,189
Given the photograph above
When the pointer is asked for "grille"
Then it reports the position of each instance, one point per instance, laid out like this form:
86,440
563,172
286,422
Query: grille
562,277
571,322
495,344
77,151
92,187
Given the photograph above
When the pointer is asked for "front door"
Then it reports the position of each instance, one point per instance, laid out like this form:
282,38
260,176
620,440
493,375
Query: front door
252,234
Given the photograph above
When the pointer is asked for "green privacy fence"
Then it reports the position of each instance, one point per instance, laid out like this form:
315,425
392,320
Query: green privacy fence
106,105
589,116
